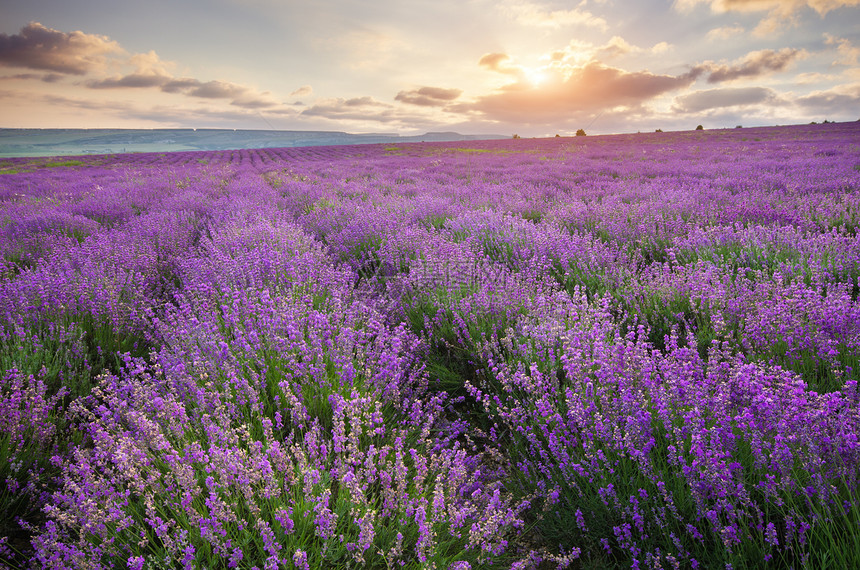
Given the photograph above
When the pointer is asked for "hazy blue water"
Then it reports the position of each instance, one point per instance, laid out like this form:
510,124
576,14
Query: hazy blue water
64,142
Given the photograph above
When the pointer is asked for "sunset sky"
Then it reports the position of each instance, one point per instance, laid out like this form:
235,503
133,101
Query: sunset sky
475,66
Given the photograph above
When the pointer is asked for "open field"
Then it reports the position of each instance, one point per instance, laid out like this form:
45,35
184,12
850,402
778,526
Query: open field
591,352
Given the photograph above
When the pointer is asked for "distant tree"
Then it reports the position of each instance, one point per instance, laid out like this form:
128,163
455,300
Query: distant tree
700,128
516,136
580,132
557,135
739,127
659,131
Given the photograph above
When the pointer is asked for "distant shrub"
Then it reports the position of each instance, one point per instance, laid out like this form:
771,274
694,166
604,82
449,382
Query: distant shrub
557,135
516,136
739,127
659,131
580,133
700,128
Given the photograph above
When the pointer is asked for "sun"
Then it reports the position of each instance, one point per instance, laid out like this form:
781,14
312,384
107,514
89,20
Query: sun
535,76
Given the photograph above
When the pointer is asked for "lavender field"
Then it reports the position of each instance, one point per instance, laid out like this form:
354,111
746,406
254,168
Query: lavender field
628,351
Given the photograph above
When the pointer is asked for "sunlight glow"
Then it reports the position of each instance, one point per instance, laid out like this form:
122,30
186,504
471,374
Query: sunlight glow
535,76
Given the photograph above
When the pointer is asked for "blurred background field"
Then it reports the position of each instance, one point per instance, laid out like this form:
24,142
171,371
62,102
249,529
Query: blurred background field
69,142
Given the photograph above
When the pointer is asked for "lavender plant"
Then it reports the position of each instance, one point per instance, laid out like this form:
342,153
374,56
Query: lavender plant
614,351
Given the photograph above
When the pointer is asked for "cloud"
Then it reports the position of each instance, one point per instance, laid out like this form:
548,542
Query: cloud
574,90
196,117
841,101
428,96
76,53
365,101
814,77
755,64
151,63
364,113
217,90
788,6
131,81
574,81
848,53
579,53
725,32
153,72
46,49
498,62
779,12
254,101
239,95
725,97
357,108
164,115
530,14
618,46
178,85
302,91
149,71
44,77
59,100
504,64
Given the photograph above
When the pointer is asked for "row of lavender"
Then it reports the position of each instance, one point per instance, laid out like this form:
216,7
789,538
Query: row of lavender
623,350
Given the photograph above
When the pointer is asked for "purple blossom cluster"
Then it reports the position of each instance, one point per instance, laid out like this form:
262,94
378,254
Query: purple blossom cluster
632,350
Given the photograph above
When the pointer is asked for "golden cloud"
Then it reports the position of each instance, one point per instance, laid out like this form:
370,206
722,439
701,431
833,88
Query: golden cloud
580,90
755,64
43,48
428,96
779,12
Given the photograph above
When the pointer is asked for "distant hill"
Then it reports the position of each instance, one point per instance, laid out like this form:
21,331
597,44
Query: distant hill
64,142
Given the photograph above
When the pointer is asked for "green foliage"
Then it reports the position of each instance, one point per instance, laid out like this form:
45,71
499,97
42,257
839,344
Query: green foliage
24,467
534,215
70,351
435,221
35,430
574,277
55,164
600,476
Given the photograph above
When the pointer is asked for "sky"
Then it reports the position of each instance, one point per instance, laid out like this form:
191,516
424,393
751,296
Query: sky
530,67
